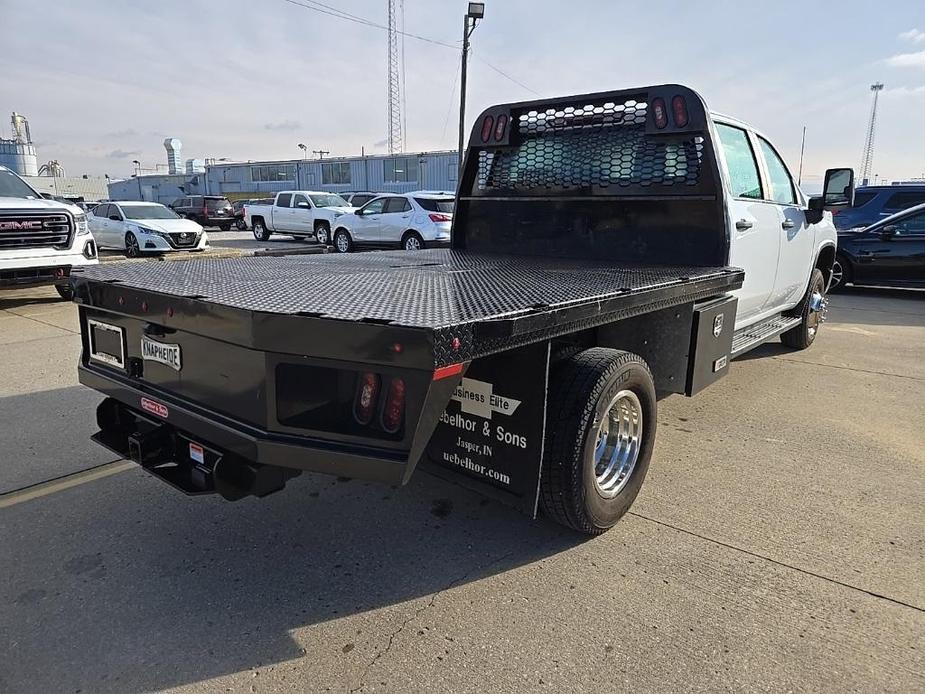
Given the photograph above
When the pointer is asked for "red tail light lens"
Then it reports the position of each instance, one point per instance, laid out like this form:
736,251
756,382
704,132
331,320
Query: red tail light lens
500,127
486,128
364,404
660,112
394,407
679,111
437,217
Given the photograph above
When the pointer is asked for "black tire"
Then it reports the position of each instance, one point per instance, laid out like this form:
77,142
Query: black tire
240,224
842,273
260,231
65,291
132,249
342,241
412,241
581,391
803,335
323,233
225,227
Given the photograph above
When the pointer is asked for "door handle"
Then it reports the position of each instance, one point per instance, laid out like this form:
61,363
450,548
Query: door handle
743,225
787,224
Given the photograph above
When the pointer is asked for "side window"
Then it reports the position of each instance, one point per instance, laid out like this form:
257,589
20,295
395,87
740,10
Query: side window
115,211
296,199
913,225
101,211
740,160
283,199
781,183
863,197
374,207
900,201
397,205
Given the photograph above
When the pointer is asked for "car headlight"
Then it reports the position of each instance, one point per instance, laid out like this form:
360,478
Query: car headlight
83,227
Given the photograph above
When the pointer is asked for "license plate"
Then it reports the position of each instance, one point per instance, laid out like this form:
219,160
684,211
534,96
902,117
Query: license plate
107,343
166,354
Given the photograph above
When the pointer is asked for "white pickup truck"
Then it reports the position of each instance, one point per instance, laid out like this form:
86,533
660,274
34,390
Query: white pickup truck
40,240
297,213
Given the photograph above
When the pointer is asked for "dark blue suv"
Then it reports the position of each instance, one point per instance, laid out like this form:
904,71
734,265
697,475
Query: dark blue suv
873,203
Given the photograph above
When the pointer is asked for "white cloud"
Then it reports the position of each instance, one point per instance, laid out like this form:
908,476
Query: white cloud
905,91
907,59
913,35
283,125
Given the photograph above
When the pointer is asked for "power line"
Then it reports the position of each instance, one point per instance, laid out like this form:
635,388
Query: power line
334,12
340,14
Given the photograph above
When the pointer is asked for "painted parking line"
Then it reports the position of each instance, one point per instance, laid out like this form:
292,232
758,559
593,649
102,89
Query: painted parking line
59,484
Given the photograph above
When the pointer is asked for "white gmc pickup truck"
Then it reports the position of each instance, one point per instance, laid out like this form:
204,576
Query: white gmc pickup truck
40,240
297,213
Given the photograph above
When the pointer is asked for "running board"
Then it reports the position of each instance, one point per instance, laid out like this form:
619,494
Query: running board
753,335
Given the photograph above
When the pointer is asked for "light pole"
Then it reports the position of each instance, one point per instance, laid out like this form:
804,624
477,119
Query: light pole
304,150
137,165
475,12
320,152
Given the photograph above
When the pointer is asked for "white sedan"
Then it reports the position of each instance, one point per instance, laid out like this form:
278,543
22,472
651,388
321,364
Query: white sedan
144,227
411,221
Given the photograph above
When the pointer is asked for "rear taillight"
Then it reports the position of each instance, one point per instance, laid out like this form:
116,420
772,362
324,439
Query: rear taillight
437,217
486,128
205,211
394,407
500,127
364,404
679,110
659,112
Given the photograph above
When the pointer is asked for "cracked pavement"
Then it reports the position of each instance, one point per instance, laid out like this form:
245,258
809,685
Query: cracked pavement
778,544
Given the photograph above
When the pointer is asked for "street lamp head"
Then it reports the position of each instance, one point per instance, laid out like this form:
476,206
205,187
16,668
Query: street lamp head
302,147
476,10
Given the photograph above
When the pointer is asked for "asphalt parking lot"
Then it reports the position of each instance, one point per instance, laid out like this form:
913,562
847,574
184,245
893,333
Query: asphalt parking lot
229,244
778,545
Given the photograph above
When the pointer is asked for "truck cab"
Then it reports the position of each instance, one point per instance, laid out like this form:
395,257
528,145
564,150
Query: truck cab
40,240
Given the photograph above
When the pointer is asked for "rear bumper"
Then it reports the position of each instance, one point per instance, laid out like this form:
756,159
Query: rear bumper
233,439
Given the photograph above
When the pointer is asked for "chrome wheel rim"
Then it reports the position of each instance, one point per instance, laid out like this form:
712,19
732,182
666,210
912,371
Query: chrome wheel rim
322,236
258,231
131,246
818,305
618,440
412,244
837,274
342,244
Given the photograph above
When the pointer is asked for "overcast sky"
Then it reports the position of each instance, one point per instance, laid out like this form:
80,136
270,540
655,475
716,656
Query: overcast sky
104,82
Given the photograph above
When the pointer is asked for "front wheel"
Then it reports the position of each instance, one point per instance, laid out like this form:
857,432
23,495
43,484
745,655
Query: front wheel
342,241
412,241
600,431
260,230
132,249
811,312
322,234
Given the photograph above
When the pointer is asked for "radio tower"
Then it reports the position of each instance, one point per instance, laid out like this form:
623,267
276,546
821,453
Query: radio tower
867,159
395,144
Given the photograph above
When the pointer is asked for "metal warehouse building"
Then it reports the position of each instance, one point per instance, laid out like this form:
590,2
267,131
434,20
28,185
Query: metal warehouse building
378,173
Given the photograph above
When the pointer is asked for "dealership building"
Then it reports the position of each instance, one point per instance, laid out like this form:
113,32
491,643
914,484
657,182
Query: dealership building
236,180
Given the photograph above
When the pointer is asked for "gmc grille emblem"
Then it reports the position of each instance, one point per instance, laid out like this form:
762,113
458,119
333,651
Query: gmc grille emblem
28,225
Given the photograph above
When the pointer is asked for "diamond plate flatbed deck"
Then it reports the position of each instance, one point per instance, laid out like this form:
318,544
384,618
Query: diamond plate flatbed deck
489,301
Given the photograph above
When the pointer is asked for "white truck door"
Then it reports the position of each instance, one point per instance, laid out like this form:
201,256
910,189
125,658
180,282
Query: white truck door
303,214
754,238
797,238
282,213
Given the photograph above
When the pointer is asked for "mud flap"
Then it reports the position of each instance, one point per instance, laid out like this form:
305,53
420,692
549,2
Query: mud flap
491,436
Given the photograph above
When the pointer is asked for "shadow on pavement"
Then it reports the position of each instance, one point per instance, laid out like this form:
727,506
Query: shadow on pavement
125,585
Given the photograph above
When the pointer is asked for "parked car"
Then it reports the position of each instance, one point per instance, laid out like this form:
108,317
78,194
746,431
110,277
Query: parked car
873,203
411,221
40,240
145,227
237,208
358,199
889,253
205,210
297,213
